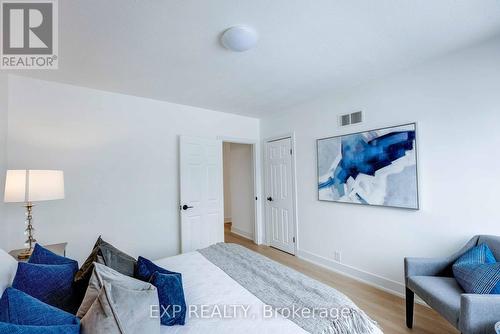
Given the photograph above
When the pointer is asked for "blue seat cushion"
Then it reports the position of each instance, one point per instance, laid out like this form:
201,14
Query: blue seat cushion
170,290
171,296
21,313
42,255
52,284
441,293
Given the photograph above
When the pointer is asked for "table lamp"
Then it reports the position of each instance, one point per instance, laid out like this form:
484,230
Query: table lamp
28,186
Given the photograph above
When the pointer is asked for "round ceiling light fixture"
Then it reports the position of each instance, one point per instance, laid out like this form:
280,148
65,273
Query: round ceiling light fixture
239,38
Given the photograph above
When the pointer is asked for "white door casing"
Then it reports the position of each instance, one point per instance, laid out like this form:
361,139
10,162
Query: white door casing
201,193
259,231
280,213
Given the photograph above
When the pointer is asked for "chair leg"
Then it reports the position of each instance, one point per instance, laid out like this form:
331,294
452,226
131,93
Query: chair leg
410,298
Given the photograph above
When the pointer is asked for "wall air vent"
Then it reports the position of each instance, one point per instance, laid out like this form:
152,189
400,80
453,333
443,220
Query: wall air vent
353,118
356,117
345,120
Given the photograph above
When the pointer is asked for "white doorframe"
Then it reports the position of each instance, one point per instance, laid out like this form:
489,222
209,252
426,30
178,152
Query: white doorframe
290,135
259,234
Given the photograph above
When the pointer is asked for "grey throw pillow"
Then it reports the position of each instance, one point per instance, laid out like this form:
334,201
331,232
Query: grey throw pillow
115,303
106,254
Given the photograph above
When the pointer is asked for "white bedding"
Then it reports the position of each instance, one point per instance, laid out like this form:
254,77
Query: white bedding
206,284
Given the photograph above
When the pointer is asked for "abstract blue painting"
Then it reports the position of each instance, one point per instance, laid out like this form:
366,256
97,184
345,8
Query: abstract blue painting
377,167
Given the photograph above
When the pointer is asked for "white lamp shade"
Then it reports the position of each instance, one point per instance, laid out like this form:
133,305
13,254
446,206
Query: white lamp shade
34,185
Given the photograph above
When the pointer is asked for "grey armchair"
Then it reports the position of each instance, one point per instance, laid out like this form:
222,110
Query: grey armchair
432,280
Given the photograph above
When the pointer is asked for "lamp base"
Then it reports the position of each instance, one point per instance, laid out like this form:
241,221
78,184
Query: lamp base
25,254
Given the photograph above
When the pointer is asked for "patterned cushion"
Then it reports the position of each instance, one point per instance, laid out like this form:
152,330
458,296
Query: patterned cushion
170,291
477,271
52,284
478,278
21,313
478,254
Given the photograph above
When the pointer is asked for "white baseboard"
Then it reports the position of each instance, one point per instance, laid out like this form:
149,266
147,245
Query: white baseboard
228,220
241,233
382,283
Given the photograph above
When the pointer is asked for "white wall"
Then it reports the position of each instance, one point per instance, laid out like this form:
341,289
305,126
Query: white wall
242,190
456,102
120,158
227,180
3,157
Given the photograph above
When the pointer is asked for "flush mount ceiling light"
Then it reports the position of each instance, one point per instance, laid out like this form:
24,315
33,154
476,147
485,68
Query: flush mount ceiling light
239,38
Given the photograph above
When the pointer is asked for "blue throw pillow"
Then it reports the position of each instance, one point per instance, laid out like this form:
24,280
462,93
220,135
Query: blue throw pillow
20,329
52,284
170,290
478,278
477,255
19,308
146,268
477,271
42,255
171,296
21,313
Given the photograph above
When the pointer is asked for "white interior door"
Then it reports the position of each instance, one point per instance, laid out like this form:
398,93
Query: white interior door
201,193
279,195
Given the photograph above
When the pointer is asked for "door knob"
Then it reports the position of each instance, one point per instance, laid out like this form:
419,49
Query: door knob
270,199
185,207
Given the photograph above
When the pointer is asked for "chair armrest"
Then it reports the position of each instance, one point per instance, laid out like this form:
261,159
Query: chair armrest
427,266
479,313
435,266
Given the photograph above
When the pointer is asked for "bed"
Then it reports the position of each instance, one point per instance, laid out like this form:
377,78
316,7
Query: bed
205,283
230,289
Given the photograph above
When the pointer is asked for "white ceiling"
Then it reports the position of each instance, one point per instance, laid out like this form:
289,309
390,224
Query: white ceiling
169,49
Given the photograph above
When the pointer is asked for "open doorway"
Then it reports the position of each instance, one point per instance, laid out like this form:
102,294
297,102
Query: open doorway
239,191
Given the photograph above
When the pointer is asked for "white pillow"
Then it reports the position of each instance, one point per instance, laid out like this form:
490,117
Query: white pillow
8,268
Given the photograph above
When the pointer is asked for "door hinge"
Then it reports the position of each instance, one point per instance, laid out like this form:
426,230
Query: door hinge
293,239
291,152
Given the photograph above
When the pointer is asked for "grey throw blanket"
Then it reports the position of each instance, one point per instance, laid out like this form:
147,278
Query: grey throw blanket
278,286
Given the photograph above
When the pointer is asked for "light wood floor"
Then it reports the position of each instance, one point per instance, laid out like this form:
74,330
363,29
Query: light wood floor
387,309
